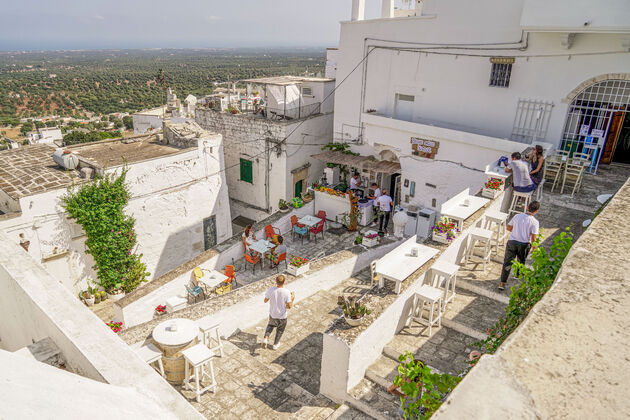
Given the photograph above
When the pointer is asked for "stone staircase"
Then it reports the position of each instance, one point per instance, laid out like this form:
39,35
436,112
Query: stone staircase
476,307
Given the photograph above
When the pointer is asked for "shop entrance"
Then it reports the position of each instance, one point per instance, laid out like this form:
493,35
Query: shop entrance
598,122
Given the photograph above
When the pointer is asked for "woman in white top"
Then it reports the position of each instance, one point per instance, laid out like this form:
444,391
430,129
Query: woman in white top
249,236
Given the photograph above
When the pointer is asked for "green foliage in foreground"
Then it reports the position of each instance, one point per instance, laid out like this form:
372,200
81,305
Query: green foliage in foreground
422,388
535,283
76,137
99,208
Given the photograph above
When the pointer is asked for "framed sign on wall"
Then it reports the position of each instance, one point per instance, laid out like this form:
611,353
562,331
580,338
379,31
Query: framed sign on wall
424,148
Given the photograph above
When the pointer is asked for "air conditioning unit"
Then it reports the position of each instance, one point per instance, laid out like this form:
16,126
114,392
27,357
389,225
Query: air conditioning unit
426,221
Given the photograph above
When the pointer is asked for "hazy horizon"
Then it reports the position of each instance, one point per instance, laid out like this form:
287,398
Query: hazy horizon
40,25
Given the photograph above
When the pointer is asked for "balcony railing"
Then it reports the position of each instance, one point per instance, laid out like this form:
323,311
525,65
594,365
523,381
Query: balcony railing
289,113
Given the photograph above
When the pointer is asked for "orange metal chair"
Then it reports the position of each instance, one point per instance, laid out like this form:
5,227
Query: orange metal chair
253,261
229,272
272,233
281,257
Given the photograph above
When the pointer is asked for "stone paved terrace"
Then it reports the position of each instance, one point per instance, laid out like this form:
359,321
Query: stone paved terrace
31,170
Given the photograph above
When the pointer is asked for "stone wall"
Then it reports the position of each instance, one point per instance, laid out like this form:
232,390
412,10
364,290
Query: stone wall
569,357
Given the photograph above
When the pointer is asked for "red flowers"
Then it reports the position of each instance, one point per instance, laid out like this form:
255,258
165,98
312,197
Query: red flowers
494,184
297,261
160,309
115,326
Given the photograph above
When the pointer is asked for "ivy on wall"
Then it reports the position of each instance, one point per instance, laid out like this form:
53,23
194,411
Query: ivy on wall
99,208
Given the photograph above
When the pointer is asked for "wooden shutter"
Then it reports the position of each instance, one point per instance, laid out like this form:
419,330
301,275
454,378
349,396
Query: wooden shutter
246,171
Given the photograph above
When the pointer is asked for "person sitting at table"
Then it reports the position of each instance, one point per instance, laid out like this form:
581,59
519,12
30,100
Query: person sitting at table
520,169
249,236
276,251
537,161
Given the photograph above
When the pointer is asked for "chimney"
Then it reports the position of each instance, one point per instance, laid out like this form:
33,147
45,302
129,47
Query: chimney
358,10
387,9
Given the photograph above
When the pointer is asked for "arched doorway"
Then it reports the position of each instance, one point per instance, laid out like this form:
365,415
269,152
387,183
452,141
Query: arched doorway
391,182
599,114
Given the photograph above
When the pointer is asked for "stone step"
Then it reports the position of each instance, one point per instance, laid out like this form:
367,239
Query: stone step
374,401
44,351
464,284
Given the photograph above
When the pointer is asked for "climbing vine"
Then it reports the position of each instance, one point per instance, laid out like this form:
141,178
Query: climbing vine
99,208
535,283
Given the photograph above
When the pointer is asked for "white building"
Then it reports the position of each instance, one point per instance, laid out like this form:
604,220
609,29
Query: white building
46,135
447,87
178,189
148,120
270,139
190,103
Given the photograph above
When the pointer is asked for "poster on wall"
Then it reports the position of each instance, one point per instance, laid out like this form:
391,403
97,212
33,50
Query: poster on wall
424,148
584,130
597,133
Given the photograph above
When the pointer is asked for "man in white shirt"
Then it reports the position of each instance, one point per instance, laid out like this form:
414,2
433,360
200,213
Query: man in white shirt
355,182
280,299
520,169
377,192
384,203
524,229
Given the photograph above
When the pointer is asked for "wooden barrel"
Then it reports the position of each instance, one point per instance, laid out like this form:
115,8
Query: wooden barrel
173,361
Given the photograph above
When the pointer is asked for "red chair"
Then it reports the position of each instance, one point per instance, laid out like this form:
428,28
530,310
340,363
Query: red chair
229,272
322,215
281,257
318,228
253,261
272,233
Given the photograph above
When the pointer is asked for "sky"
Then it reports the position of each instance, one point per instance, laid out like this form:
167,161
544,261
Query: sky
96,24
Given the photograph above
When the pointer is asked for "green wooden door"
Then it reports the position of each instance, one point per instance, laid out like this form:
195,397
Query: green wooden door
298,188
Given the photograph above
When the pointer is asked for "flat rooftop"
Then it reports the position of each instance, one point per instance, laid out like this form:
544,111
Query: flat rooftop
31,170
287,80
159,111
108,153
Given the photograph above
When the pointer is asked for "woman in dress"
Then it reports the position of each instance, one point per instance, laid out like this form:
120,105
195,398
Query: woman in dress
537,161
249,236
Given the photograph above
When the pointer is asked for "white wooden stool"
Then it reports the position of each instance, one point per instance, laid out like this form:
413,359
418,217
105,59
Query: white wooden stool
496,221
151,354
520,201
485,237
539,190
444,276
432,297
207,329
196,357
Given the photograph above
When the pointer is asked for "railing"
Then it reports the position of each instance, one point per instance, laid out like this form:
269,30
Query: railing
290,113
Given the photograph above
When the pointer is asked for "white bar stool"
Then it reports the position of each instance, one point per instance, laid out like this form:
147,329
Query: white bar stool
444,277
496,221
196,357
150,354
432,297
213,343
520,201
485,237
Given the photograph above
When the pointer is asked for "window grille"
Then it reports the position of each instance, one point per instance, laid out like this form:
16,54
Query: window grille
307,91
246,171
500,74
531,120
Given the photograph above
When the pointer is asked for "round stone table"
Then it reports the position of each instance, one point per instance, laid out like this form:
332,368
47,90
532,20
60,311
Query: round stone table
172,341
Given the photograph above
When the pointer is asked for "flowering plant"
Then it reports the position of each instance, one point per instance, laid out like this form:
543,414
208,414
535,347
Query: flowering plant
494,184
371,235
297,202
330,191
160,309
297,261
115,326
445,226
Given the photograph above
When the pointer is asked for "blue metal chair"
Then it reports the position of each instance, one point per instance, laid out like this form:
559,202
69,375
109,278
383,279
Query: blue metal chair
195,292
302,231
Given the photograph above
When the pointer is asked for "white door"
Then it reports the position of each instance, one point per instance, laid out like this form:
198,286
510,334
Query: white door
403,108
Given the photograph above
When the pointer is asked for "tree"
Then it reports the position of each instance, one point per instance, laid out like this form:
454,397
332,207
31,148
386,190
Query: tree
26,128
39,124
128,122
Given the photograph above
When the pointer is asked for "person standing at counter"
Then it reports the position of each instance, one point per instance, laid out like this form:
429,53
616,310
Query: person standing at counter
520,169
384,203
355,182
377,192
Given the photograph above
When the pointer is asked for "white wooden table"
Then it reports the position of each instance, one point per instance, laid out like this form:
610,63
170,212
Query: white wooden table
261,246
458,211
309,220
212,278
399,264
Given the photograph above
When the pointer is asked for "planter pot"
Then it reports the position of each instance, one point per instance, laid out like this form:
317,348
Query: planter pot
296,271
354,322
441,238
159,314
90,301
285,210
490,193
370,242
116,296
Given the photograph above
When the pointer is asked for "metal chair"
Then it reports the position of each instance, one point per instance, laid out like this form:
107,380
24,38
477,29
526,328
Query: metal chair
271,233
195,292
230,273
281,257
318,228
253,261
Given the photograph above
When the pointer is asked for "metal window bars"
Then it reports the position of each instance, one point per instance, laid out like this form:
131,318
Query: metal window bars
589,117
531,120
500,74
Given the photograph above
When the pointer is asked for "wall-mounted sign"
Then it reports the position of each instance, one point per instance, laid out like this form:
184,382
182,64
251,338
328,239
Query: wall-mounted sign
424,148
597,133
584,130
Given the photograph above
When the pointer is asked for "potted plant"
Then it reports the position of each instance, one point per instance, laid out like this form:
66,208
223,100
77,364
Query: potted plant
307,197
116,292
492,187
444,231
353,310
370,238
358,240
115,326
160,310
297,265
283,206
87,297
297,202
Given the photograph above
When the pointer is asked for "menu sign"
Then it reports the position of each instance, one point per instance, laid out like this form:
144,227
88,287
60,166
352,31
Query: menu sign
424,148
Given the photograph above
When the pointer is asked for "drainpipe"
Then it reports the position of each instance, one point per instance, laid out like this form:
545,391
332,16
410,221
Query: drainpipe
268,168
